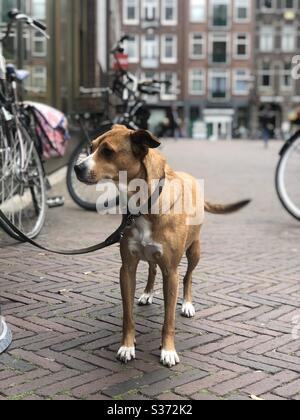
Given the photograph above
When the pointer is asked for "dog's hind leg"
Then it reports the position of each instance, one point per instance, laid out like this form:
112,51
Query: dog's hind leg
193,256
147,297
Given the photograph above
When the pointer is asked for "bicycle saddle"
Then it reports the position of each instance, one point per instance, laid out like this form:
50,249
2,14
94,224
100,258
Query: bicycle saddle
20,75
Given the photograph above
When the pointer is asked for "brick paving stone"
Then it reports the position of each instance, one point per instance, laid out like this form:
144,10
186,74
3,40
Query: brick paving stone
179,380
246,293
237,383
206,383
270,383
104,383
288,390
34,359
36,385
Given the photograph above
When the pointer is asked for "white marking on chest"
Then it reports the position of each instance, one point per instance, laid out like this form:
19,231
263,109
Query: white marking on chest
141,244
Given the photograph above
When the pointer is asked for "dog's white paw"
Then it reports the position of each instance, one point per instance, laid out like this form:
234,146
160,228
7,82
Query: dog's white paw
169,358
126,354
188,310
146,299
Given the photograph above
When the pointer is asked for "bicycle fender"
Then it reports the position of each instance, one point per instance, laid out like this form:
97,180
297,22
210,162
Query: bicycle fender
288,143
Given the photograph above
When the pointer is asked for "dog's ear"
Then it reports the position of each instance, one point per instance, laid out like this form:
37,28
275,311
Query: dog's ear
142,141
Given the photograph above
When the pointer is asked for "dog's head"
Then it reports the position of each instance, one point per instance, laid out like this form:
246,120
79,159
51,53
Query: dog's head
118,150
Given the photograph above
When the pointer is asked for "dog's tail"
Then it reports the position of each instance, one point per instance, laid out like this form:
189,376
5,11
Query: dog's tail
225,209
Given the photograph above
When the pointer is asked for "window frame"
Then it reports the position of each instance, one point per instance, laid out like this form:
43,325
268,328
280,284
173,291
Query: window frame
163,58
246,78
229,14
236,7
212,74
283,38
236,43
135,59
204,47
271,31
283,74
133,22
157,9
205,8
213,38
192,79
172,96
164,20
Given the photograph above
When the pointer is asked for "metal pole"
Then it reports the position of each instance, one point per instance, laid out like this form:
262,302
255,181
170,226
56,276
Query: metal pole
20,49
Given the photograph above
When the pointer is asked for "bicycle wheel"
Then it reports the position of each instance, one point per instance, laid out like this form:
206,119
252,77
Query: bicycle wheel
85,196
22,184
288,179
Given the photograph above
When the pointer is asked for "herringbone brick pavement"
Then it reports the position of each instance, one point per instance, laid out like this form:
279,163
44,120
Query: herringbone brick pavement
66,314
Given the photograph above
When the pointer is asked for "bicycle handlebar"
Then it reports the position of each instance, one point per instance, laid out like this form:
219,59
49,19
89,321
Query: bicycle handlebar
15,15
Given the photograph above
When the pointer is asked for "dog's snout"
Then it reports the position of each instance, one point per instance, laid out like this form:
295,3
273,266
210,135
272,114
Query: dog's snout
79,169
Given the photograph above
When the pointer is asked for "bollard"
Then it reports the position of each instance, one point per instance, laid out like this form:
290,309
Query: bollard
5,335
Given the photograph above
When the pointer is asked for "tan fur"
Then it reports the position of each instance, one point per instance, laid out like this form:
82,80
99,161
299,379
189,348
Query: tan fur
170,230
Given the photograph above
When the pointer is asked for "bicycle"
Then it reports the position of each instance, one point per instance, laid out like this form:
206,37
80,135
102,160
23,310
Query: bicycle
288,176
133,113
22,177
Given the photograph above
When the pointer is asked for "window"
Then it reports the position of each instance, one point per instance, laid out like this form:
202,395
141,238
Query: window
5,7
39,45
169,92
39,9
242,10
266,4
219,49
150,10
241,46
241,82
169,49
286,78
132,48
267,39
197,82
197,10
131,12
266,75
39,79
219,84
197,46
220,13
288,39
169,12
150,51
288,4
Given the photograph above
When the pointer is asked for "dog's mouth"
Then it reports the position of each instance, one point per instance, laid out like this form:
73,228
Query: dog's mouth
86,181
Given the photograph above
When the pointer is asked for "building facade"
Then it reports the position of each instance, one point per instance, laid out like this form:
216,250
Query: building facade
75,57
277,43
205,48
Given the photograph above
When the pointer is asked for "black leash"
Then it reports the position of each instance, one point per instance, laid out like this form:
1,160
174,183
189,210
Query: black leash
115,238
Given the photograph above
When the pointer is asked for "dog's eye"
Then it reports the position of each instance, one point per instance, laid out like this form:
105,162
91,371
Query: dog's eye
108,153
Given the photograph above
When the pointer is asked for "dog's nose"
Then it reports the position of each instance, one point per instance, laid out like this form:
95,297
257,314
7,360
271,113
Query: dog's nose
78,169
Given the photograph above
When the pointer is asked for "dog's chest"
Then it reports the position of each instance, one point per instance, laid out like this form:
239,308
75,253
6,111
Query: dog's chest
141,243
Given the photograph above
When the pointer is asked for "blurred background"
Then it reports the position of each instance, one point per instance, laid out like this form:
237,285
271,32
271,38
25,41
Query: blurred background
229,61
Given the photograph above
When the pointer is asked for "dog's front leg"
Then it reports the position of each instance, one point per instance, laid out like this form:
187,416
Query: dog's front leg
169,356
128,286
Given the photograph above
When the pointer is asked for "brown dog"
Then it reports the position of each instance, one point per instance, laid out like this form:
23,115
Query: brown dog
162,239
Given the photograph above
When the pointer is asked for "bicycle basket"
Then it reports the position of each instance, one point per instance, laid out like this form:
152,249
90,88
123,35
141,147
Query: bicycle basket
51,128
